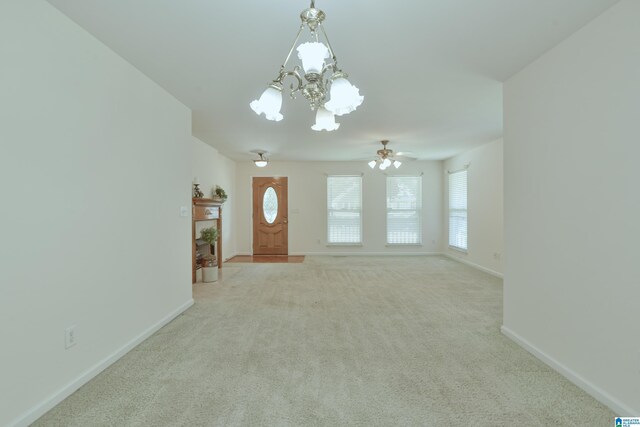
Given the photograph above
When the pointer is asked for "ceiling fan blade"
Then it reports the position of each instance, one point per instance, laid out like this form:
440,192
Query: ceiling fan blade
404,156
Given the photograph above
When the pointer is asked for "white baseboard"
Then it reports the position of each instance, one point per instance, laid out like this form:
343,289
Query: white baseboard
474,265
243,254
596,392
341,253
42,408
390,253
235,254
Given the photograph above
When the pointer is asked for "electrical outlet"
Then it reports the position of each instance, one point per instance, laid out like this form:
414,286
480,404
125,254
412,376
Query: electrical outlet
70,336
184,211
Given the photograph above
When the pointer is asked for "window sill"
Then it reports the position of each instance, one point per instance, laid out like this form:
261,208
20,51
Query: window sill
454,248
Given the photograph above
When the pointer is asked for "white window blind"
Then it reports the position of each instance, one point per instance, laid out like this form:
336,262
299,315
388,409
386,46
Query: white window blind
344,209
404,210
458,209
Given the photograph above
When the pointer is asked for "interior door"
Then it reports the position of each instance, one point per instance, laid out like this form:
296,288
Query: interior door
270,222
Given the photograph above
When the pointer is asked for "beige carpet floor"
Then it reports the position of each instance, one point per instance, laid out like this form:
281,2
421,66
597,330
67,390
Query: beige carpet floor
335,341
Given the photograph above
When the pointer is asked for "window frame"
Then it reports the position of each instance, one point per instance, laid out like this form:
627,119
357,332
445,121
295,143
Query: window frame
329,211
450,211
418,210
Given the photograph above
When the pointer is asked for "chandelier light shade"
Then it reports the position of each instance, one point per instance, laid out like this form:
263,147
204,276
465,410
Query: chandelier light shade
269,103
325,120
262,161
345,97
312,56
324,84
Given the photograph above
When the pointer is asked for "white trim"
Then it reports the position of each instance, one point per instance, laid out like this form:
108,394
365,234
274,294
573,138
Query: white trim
457,249
596,392
390,253
39,410
235,254
476,266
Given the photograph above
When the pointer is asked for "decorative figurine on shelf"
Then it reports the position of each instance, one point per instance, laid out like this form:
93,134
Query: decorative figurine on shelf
197,193
219,194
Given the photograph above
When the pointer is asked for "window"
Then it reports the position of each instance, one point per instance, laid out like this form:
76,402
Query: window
404,210
344,209
458,210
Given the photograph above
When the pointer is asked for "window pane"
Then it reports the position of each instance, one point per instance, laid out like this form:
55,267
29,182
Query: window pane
458,209
404,210
344,204
270,205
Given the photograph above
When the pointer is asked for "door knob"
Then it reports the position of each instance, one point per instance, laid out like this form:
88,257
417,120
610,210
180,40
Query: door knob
285,221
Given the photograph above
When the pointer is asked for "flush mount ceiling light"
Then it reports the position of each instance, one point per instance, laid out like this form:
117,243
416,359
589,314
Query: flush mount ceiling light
329,96
262,161
385,158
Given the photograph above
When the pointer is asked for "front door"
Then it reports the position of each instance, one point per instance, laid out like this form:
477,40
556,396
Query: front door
270,222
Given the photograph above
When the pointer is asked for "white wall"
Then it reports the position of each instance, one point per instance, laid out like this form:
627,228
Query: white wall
95,163
485,226
212,168
572,274
308,205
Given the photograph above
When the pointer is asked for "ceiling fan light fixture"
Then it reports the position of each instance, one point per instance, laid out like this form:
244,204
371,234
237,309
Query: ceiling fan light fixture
325,120
317,59
385,158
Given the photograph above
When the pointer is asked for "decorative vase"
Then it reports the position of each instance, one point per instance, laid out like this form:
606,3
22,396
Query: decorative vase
210,270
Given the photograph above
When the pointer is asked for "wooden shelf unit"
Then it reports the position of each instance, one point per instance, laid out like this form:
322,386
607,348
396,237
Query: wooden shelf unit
205,210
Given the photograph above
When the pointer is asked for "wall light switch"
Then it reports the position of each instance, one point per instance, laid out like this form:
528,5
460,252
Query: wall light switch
184,211
70,336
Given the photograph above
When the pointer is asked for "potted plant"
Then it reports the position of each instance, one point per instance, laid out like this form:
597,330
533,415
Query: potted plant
210,262
220,194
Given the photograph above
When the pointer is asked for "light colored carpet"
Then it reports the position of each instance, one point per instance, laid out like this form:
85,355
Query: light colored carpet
359,341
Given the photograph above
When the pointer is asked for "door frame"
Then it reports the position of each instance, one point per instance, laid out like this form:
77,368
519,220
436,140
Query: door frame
251,207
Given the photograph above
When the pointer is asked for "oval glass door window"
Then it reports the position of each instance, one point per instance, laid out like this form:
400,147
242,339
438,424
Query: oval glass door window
270,205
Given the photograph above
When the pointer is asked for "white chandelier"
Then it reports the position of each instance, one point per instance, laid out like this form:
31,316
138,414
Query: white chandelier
343,96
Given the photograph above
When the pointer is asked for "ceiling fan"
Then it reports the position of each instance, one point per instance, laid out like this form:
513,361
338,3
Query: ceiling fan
385,157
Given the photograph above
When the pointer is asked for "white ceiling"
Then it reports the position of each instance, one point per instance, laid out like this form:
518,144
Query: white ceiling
431,71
